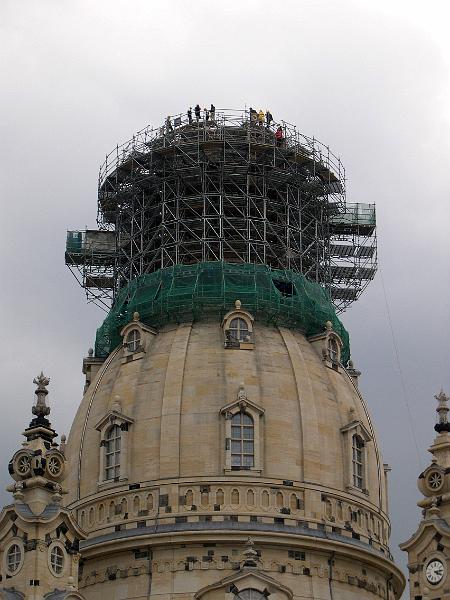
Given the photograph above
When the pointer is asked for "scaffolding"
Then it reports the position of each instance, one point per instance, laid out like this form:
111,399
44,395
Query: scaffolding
208,290
227,190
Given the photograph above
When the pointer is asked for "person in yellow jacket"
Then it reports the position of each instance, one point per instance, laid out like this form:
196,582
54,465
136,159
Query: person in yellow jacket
261,118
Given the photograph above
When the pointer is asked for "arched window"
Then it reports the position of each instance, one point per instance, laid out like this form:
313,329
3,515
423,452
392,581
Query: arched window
333,350
112,452
133,340
358,461
242,441
239,329
250,594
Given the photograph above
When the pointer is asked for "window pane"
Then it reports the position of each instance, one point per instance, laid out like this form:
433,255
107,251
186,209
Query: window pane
236,433
236,420
248,447
248,433
247,420
236,447
235,460
248,461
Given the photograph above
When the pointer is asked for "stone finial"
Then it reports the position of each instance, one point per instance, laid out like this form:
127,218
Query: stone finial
62,445
238,304
136,316
329,326
91,352
250,554
40,409
442,410
241,395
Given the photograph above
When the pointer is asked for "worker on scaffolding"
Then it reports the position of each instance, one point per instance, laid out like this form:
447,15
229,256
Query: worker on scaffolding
189,115
197,111
279,136
269,118
212,112
206,114
169,127
261,118
253,116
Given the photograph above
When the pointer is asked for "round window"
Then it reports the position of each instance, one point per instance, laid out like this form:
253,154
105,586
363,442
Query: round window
57,559
133,340
14,557
435,480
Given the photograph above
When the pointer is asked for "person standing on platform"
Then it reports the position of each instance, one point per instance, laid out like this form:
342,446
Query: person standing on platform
169,127
197,110
206,114
261,118
212,112
189,115
253,116
269,118
279,136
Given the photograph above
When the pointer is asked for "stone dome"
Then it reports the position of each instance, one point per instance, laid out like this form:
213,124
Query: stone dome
309,473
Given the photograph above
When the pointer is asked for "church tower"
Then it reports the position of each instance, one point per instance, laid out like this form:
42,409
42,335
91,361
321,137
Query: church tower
39,539
222,449
429,548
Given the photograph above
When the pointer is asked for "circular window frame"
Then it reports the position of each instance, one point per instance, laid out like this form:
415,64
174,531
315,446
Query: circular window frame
49,559
14,542
430,475
50,457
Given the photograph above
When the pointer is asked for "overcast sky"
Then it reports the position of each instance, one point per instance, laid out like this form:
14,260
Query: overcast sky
370,78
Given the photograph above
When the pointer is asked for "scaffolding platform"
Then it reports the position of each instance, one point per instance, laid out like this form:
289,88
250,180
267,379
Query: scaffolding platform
225,190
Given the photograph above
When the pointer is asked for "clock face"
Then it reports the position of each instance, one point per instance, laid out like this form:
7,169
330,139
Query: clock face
435,571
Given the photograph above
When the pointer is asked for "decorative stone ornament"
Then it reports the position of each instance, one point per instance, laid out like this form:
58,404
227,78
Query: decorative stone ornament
54,468
20,465
40,409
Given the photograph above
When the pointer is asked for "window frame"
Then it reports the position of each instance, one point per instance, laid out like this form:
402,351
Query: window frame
231,342
242,405
112,418
135,344
246,435
356,430
358,459
241,327
18,543
53,546
114,452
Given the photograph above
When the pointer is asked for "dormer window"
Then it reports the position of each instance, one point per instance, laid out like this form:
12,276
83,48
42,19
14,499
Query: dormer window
133,340
239,329
333,350
329,345
136,338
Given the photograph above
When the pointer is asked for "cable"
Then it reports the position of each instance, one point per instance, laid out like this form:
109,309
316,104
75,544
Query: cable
399,367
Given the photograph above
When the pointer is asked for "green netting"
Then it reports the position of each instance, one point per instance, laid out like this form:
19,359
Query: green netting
199,291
